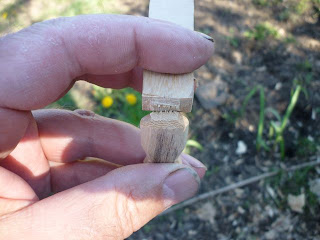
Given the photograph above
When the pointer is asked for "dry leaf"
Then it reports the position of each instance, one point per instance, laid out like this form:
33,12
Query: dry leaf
297,203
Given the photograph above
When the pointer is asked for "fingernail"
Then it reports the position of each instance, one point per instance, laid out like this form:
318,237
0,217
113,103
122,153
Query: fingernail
191,161
206,36
179,186
198,166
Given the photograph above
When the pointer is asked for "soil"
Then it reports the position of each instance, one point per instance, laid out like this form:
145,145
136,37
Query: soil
260,210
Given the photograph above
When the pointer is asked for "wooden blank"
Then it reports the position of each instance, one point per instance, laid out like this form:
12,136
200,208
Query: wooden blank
164,92
164,136
167,92
180,12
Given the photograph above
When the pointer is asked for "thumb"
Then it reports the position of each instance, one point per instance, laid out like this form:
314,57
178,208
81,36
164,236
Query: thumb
109,207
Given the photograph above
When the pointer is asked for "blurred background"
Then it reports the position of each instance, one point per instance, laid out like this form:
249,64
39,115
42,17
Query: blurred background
257,111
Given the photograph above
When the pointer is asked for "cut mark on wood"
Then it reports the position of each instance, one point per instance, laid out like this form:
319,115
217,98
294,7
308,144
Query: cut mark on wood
167,92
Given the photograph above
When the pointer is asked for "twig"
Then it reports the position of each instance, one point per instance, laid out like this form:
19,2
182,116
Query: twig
248,181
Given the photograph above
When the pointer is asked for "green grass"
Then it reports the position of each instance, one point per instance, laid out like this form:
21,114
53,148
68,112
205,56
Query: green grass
302,6
262,31
305,66
191,143
276,128
147,228
262,3
66,102
120,108
306,147
233,40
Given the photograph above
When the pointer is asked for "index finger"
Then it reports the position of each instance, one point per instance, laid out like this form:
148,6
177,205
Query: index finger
39,63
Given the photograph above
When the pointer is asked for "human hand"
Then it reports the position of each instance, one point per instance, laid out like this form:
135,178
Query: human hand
40,150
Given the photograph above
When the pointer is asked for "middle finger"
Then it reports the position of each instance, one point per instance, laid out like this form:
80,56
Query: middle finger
68,136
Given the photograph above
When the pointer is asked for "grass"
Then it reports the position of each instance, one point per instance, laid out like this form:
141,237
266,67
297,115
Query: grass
121,108
262,31
66,102
306,147
305,66
302,6
233,40
191,143
280,128
260,142
276,127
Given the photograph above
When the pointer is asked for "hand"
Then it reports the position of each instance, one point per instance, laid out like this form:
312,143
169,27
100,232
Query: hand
40,150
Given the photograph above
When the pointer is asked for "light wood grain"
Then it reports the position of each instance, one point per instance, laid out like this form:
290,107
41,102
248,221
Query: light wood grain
163,92
167,92
164,136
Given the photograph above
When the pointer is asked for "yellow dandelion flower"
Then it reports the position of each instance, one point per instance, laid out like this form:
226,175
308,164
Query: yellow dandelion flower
131,99
4,15
107,102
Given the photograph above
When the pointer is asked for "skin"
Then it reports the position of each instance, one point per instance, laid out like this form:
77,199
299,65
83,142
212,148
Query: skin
46,191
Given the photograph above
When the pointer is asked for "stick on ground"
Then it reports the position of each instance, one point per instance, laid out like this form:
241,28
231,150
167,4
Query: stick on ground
243,183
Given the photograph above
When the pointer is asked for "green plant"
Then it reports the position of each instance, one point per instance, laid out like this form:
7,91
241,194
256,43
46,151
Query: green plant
147,228
124,104
192,144
234,41
306,147
262,3
212,170
289,39
284,15
262,31
121,107
305,66
260,142
206,30
276,128
316,7
66,102
302,6
247,99
232,116
279,128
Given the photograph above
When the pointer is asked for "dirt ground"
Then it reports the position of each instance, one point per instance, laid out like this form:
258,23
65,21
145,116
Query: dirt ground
260,210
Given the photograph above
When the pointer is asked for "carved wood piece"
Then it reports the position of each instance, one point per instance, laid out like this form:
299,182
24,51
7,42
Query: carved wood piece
167,92
164,136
